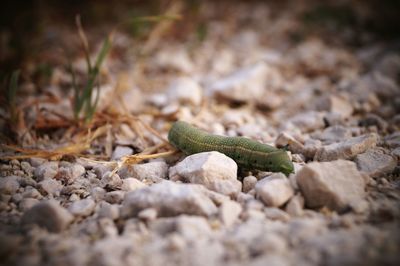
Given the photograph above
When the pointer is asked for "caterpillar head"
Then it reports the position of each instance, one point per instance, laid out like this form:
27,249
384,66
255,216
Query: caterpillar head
279,161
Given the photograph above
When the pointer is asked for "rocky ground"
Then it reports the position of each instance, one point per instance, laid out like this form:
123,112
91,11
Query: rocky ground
335,106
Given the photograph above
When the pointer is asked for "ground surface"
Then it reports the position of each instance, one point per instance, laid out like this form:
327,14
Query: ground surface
313,79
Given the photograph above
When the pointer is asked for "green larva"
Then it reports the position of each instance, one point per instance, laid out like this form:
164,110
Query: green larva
247,153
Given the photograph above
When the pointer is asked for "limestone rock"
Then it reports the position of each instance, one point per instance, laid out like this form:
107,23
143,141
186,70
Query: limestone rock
169,199
9,185
229,212
375,162
49,215
347,149
185,90
154,171
274,190
336,185
83,207
214,170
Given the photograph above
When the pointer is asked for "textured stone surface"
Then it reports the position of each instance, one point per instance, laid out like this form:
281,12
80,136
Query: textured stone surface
336,184
49,215
375,162
274,190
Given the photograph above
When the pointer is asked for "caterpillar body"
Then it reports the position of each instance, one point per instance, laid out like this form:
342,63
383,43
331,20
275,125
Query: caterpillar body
247,153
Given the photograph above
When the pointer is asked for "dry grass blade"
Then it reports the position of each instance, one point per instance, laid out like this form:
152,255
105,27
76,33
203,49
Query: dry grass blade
72,149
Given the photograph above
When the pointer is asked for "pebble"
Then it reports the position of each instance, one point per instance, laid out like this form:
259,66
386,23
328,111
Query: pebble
114,197
112,181
214,170
185,90
375,162
83,208
308,121
98,193
229,212
169,199
121,151
336,104
276,214
244,85
26,204
274,190
68,174
149,214
35,162
49,215
249,183
46,170
9,185
131,184
50,187
336,185
347,149
153,171
295,205
176,58
333,134
107,210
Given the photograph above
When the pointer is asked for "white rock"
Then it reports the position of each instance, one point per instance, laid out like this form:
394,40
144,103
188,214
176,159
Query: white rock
9,185
49,215
35,161
192,227
114,197
185,90
247,84
112,181
130,184
169,199
149,214
249,183
274,190
334,134
375,162
214,170
336,184
308,121
273,213
107,210
335,104
121,151
175,58
46,170
229,212
154,171
295,205
50,187
69,174
26,204
83,207
347,149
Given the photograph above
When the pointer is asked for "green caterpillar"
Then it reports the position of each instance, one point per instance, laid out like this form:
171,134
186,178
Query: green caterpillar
247,153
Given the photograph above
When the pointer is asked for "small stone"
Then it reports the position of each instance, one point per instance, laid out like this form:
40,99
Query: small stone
192,227
336,104
46,170
112,181
84,207
176,58
35,162
335,185
249,183
49,215
50,187
229,212
9,185
121,151
347,149
393,140
26,204
107,210
114,197
131,184
31,192
375,162
169,199
68,174
244,85
334,134
308,121
276,214
149,214
185,90
295,205
214,170
154,171
286,140
98,193
274,190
